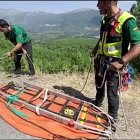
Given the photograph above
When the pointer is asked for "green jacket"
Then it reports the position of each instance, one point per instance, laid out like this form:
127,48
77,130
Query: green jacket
18,35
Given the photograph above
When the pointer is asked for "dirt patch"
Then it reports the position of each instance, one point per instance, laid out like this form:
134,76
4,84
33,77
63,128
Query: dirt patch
73,84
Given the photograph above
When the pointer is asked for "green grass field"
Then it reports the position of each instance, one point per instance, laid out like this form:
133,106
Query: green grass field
61,55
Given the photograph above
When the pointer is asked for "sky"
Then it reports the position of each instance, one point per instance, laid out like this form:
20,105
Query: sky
57,6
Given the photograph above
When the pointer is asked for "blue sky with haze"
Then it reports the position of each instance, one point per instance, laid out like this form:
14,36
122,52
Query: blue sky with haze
57,6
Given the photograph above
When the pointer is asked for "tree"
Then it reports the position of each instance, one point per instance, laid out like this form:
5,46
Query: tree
135,10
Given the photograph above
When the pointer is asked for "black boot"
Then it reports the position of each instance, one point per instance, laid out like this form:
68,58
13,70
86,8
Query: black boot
17,71
31,73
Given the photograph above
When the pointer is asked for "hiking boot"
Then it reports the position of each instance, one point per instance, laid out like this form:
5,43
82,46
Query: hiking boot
31,73
17,71
31,76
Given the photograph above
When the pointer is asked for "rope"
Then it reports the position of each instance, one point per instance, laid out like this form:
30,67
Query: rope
87,76
29,58
27,55
121,104
104,76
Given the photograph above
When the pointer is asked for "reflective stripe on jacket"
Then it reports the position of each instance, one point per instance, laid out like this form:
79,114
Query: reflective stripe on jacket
111,38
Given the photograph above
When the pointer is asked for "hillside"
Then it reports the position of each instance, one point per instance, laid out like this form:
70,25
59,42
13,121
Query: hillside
60,55
79,22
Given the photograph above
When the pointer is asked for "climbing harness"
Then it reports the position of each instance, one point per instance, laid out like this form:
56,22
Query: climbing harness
124,80
103,68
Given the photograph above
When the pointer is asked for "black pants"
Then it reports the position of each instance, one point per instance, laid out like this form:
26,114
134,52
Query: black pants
112,83
18,56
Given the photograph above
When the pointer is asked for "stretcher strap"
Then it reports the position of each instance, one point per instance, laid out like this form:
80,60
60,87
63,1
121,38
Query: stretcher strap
40,104
92,122
12,98
84,113
37,96
93,114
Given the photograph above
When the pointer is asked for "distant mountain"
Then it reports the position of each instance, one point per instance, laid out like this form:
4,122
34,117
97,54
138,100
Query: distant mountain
9,12
79,10
79,22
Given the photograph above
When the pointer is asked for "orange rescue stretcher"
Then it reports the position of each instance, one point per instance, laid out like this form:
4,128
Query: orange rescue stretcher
45,113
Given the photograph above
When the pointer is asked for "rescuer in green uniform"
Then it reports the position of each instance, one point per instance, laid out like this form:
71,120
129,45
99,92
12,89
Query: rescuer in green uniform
118,31
21,39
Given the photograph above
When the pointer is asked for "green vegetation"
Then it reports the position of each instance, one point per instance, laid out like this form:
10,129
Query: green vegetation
64,55
61,55
135,10
5,64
